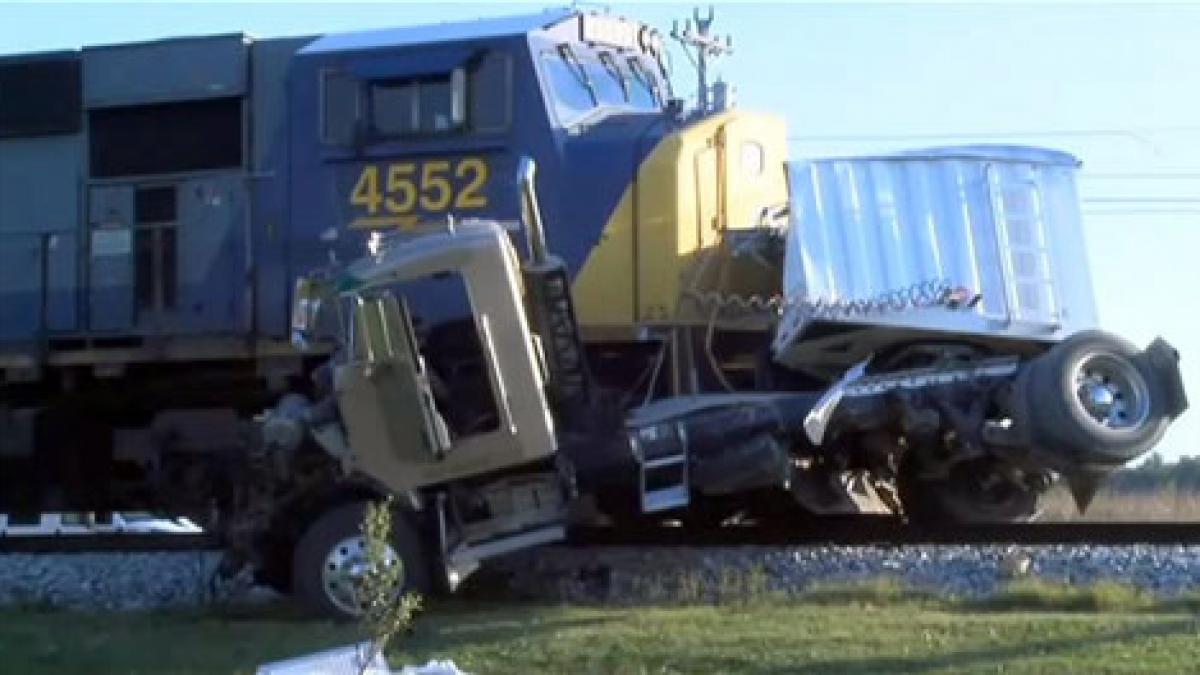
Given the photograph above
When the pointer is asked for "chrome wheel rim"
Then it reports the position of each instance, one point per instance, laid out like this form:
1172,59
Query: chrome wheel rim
345,566
1111,392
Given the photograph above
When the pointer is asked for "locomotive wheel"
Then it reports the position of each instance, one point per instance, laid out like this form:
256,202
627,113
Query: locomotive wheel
1090,395
970,493
331,559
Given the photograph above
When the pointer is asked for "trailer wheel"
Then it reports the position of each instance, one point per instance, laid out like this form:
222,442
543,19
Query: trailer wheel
1090,395
330,560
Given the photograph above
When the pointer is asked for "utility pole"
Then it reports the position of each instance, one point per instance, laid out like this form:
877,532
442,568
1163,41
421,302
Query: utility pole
706,45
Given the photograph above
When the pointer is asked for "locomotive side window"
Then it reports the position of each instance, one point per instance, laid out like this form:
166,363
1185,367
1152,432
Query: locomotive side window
475,98
40,97
339,107
166,138
488,93
394,109
156,213
439,111
417,106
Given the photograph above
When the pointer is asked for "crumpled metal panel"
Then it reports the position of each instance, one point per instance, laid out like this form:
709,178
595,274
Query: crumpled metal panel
1003,221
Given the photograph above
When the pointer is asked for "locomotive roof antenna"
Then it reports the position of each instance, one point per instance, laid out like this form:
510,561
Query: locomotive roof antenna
705,44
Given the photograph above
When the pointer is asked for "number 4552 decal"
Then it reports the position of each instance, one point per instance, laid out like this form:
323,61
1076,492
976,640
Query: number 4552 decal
394,194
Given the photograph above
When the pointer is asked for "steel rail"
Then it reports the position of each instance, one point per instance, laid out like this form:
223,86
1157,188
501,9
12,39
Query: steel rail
108,543
826,532
889,532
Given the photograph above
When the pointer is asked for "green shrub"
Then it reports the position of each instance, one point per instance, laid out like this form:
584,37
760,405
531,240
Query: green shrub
388,611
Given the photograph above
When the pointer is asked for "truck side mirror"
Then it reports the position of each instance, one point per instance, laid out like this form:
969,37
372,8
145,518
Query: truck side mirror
306,309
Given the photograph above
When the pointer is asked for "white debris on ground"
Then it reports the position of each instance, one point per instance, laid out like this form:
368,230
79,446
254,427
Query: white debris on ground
357,659
434,667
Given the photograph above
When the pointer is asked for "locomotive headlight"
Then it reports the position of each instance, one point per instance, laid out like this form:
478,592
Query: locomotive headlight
754,159
608,30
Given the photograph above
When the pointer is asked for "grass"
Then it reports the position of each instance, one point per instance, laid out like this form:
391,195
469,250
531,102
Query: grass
877,627
1167,505
1103,596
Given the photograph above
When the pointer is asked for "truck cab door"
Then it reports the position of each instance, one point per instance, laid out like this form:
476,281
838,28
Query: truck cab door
384,393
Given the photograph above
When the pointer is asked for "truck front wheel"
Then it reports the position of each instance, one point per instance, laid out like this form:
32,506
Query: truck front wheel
330,561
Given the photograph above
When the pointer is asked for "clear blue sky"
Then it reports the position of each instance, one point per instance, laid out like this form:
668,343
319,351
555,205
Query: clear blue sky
1118,85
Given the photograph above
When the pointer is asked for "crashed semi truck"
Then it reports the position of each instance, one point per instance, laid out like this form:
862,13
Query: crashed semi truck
498,270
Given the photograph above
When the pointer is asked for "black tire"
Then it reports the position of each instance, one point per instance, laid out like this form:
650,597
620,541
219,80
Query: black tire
335,527
964,497
1060,421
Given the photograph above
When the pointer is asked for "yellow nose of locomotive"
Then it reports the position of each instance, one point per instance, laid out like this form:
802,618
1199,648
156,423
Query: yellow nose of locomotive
720,174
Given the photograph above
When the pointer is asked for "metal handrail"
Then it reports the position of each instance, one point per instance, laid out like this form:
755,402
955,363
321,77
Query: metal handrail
531,215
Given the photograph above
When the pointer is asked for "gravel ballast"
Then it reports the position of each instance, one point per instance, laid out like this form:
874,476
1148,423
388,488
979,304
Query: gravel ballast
630,575
143,581
109,581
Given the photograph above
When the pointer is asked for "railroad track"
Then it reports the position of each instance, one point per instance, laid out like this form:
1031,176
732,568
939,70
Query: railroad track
842,532
889,532
108,543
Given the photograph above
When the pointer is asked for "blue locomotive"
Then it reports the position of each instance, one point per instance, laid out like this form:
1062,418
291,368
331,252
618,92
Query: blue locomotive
157,201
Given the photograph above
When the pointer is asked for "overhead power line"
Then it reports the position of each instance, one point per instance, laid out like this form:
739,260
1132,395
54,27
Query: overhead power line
1137,132
1141,200
1180,214
1143,175
1141,136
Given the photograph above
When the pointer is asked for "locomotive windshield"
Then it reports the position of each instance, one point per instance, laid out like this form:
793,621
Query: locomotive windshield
584,82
